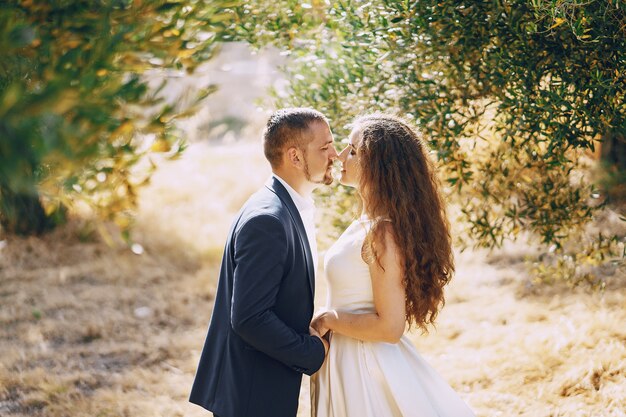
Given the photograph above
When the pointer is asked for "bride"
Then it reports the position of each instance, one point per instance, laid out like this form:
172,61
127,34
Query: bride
386,271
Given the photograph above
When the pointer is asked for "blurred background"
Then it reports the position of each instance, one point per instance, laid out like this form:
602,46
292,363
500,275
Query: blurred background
130,135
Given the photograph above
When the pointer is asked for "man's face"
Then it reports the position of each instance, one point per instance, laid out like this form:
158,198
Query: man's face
319,154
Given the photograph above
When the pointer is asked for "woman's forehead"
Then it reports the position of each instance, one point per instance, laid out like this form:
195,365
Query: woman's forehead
355,136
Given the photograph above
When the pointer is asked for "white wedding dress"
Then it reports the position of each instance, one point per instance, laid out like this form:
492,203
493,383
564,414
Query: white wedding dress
372,379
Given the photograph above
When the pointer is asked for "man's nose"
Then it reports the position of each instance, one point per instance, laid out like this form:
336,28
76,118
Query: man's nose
333,153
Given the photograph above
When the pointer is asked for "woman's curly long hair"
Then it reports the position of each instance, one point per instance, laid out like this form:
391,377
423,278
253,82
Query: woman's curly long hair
398,182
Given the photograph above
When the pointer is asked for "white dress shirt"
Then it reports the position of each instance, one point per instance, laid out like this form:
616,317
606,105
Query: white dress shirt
306,208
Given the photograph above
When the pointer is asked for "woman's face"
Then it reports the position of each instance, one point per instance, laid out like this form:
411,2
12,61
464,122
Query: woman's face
349,159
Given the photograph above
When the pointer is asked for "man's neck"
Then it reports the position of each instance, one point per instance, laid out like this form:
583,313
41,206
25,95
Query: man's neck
295,181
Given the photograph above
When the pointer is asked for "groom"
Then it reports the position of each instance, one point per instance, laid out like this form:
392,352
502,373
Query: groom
259,341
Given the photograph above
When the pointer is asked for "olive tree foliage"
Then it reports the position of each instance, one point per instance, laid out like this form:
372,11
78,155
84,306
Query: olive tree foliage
76,111
512,95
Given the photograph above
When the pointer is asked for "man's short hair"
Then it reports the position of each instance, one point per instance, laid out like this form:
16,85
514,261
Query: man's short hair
285,128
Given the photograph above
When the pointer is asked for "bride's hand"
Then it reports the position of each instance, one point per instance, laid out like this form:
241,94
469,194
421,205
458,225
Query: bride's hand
321,323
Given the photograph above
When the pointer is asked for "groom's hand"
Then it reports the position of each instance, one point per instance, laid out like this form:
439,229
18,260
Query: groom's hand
315,333
320,323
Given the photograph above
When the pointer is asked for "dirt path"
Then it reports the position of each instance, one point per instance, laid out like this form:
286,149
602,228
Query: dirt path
89,330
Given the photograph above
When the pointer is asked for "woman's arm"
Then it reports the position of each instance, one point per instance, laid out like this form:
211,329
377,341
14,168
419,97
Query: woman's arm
387,324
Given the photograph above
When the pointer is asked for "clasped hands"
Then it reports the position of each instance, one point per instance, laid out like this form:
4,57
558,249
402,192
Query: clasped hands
320,327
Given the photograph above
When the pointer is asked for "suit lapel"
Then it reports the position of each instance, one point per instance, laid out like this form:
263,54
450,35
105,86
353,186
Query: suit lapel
275,186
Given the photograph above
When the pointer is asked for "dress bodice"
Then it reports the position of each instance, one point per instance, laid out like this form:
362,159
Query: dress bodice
348,276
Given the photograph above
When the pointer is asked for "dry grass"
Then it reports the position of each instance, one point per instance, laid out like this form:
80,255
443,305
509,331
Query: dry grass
190,203
89,330
513,352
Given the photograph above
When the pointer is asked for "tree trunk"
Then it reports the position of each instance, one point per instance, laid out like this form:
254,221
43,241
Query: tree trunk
613,157
614,150
22,214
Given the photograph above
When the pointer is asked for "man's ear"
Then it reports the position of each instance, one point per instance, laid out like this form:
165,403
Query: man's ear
294,156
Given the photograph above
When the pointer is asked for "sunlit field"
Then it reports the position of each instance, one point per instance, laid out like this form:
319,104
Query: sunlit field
92,330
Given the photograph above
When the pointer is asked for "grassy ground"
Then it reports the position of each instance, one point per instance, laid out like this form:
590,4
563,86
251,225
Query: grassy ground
90,330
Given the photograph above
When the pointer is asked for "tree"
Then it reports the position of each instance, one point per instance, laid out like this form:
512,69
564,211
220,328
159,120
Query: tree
513,96
76,111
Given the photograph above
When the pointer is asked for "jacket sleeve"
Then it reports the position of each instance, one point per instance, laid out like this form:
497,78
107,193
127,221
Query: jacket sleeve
260,256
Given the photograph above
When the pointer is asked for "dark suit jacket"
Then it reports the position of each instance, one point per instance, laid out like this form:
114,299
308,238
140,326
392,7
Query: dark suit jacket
258,343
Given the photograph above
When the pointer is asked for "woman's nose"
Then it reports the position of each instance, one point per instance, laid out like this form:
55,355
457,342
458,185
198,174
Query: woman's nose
342,154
